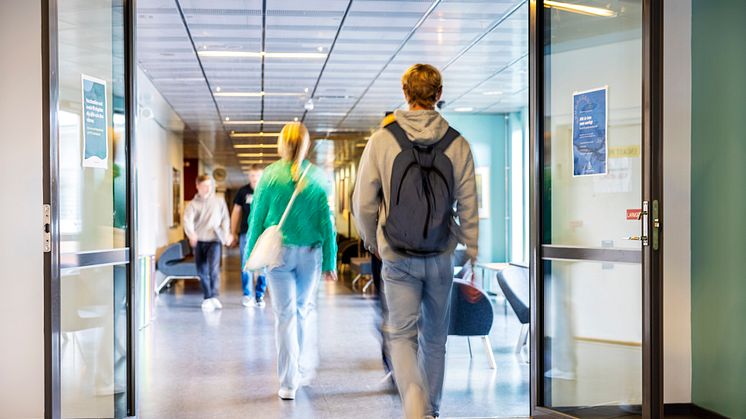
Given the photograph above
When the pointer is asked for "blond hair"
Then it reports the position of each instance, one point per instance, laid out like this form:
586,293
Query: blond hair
202,178
422,84
292,145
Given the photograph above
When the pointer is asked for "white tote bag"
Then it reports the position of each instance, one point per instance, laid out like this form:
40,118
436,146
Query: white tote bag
267,252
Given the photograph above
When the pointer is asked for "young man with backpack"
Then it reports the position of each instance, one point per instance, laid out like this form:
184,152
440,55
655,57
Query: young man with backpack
412,174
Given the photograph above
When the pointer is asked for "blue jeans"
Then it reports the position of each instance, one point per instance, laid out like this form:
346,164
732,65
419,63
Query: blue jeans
418,297
207,259
247,277
294,285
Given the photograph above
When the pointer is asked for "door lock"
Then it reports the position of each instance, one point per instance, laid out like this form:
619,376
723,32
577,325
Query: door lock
46,225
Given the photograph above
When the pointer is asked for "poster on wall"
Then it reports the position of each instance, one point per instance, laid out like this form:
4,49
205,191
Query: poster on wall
589,123
95,123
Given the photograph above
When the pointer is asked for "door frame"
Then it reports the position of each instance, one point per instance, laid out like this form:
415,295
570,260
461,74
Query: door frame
50,195
652,190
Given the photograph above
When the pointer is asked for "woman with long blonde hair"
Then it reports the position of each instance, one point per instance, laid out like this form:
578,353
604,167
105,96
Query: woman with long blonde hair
309,248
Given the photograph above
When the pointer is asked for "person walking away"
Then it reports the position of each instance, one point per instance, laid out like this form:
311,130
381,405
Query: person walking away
239,227
309,248
207,225
417,164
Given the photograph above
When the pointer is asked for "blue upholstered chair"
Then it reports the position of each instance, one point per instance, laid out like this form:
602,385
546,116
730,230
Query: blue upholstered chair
514,283
176,263
471,315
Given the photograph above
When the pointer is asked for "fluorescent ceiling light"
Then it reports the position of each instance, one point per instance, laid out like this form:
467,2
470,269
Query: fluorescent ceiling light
227,122
578,8
256,154
254,134
463,109
255,94
492,93
259,146
251,54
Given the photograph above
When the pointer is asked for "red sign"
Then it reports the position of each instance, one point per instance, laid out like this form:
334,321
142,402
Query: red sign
634,214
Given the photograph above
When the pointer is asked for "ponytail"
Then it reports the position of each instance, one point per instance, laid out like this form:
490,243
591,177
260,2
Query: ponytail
293,145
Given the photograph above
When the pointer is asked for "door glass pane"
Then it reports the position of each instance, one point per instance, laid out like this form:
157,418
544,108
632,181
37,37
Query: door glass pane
593,351
92,192
91,136
585,52
93,336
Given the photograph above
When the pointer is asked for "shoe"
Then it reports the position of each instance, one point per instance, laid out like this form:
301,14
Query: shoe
207,305
260,302
286,393
247,301
216,303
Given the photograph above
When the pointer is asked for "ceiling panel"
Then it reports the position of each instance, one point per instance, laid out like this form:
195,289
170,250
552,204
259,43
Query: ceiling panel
480,45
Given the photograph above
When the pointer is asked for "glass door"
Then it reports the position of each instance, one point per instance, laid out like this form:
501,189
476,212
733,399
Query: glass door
90,241
593,210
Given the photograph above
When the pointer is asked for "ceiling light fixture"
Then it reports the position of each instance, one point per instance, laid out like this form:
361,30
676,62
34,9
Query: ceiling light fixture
256,155
254,134
492,93
251,54
255,94
217,89
259,146
464,109
580,9
259,122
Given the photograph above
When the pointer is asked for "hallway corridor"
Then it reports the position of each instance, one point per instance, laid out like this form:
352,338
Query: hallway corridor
221,364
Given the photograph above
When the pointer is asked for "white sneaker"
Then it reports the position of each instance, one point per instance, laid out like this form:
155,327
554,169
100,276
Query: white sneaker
286,393
247,301
207,305
216,303
259,303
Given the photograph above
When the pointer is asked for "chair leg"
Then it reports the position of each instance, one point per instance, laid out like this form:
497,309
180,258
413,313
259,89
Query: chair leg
468,341
488,349
354,281
522,338
367,285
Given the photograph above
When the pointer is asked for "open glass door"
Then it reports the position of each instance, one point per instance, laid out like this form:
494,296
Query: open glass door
89,353
594,327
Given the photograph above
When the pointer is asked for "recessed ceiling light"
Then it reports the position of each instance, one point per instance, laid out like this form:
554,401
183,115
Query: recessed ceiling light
227,118
251,54
259,146
463,109
256,94
254,134
319,49
580,9
217,89
259,122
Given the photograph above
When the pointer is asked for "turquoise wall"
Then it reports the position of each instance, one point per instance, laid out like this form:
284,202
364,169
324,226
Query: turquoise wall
719,206
487,135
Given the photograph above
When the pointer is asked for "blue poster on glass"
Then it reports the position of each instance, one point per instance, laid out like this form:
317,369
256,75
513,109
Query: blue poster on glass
589,148
95,123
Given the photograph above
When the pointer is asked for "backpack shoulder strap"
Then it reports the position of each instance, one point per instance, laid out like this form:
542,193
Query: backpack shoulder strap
399,135
447,140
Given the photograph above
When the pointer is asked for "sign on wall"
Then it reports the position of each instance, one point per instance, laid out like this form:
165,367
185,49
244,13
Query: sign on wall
95,123
589,146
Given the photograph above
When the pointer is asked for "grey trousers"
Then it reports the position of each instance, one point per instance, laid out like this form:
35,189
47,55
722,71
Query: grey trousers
418,295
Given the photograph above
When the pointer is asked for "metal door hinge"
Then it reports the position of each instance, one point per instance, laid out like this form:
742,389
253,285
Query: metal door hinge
656,225
47,226
644,214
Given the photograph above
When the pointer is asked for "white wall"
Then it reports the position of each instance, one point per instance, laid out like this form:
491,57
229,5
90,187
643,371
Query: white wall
677,199
21,257
160,149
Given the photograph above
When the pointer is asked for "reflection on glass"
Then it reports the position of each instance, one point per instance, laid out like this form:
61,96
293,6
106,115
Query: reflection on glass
92,199
93,341
588,52
593,353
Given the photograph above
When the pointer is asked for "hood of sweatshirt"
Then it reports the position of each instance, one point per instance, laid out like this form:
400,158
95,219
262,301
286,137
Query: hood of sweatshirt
423,127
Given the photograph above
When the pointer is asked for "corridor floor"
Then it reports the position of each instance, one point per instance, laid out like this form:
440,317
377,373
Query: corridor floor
222,364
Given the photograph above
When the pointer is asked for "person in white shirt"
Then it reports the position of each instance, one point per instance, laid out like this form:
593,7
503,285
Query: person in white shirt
207,225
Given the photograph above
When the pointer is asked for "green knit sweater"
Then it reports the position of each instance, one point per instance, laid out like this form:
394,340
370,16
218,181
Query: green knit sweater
309,222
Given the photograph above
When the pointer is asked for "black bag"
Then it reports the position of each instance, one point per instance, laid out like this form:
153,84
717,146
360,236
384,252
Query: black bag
422,196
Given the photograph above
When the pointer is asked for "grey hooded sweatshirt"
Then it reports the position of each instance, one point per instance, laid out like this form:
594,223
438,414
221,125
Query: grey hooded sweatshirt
373,183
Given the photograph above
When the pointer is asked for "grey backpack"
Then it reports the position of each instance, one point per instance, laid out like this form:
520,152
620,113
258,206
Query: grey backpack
422,196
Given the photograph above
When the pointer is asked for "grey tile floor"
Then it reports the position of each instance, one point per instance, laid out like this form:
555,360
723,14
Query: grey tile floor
221,364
